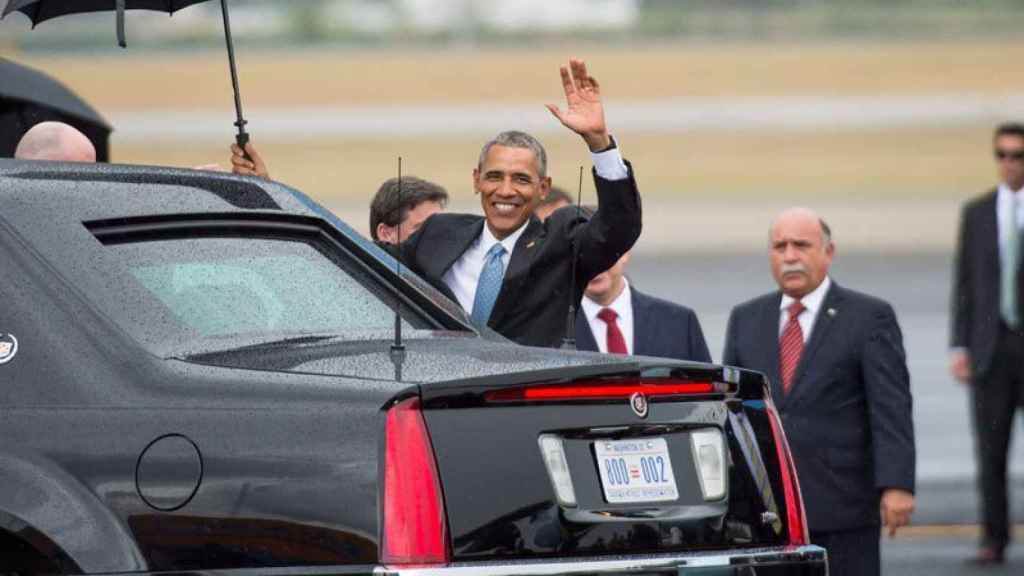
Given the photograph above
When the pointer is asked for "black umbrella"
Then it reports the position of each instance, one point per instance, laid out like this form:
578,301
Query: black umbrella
40,10
28,97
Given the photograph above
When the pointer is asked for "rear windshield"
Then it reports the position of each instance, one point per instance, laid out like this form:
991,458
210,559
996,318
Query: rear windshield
222,287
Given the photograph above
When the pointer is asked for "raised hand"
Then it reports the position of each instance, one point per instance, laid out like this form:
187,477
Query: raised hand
584,112
241,165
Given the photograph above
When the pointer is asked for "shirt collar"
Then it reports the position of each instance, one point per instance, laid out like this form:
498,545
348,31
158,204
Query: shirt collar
1005,192
487,239
622,305
812,302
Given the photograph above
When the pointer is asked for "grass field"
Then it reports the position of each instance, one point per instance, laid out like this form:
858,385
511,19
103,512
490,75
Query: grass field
927,162
935,164
141,80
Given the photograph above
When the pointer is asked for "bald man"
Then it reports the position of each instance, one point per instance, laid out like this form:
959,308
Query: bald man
839,379
55,141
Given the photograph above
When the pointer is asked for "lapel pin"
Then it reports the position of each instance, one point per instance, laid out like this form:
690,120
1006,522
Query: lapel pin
532,242
832,312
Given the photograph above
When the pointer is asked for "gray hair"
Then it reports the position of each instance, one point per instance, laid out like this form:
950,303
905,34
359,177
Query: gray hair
517,139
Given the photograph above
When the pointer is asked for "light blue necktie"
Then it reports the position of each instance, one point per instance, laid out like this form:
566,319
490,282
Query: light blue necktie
1009,307
489,285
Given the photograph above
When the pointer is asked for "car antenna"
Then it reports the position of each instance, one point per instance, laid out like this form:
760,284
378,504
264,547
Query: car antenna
398,346
569,341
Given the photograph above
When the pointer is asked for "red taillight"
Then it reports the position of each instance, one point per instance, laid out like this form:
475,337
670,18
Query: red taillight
599,390
796,518
414,531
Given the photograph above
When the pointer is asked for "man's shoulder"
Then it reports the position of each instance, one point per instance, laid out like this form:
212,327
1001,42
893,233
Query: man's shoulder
862,300
642,299
453,219
983,201
445,222
755,304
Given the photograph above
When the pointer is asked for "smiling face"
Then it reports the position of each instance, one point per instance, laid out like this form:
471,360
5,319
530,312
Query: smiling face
799,252
510,187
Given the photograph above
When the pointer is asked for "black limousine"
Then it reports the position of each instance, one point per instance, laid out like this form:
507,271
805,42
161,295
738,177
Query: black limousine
198,375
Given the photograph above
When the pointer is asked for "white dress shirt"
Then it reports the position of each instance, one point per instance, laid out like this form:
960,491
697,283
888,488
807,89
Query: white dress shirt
464,274
812,304
623,307
1003,217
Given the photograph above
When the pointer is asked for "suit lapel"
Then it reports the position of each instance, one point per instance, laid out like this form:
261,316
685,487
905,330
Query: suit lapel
642,325
584,335
450,247
769,327
989,224
518,269
827,314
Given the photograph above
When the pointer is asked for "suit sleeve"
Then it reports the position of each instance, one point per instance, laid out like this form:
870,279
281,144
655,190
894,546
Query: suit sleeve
890,406
410,248
730,356
612,230
698,346
960,297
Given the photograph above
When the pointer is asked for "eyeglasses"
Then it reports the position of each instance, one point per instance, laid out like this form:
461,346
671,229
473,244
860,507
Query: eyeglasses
1016,156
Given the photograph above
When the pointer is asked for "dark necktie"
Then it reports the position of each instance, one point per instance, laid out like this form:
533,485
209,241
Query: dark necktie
616,342
791,345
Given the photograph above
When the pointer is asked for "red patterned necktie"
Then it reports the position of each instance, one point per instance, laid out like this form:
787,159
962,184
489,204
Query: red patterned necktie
616,343
791,345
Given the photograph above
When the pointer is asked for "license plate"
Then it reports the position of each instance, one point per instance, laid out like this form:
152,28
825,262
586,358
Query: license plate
635,470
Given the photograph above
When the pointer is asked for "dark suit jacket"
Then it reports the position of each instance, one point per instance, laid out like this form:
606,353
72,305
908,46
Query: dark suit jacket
848,413
660,328
535,295
976,280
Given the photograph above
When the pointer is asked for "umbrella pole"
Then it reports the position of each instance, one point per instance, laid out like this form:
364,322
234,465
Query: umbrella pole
242,138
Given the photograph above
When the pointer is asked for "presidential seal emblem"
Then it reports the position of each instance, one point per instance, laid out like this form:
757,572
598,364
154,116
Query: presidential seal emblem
8,347
638,402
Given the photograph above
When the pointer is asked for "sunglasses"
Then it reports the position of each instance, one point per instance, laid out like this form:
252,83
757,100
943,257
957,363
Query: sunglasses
1016,156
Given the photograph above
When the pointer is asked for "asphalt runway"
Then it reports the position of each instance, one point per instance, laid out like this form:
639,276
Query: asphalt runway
917,285
912,555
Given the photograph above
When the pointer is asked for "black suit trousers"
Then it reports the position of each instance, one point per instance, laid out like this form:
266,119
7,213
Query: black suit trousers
996,398
851,552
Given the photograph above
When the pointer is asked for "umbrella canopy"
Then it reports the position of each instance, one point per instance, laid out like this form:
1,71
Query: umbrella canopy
40,10
28,97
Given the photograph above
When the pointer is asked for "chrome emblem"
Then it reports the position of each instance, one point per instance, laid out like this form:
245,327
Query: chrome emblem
8,347
638,402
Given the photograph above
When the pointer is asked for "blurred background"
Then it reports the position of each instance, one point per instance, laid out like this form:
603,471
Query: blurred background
878,113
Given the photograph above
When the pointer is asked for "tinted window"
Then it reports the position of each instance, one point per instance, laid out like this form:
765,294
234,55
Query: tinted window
244,286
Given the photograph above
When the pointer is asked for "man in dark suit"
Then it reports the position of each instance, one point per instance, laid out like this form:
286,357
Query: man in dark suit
987,328
509,270
839,379
616,318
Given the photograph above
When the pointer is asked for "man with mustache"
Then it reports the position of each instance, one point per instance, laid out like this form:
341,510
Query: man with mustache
839,378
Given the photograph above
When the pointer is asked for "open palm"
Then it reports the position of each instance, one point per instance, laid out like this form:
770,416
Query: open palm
584,112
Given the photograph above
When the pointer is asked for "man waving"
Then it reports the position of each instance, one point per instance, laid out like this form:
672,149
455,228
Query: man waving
507,269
